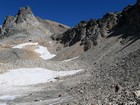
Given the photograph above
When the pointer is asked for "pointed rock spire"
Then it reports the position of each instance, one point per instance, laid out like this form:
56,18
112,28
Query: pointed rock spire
25,11
23,14
8,21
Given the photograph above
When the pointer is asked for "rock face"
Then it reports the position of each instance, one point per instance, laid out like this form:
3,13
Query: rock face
25,21
24,14
110,62
24,17
129,23
89,33
8,21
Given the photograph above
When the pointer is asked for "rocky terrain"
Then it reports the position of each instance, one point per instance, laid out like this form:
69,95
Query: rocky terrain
24,28
97,62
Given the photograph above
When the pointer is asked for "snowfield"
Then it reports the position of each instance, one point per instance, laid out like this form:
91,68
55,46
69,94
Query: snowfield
31,76
15,83
7,97
3,104
43,51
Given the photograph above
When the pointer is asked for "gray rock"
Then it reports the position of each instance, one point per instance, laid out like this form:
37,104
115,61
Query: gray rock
111,74
25,21
8,21
89,32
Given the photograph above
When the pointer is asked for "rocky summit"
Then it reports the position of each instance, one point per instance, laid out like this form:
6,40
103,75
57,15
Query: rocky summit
97,62
25,21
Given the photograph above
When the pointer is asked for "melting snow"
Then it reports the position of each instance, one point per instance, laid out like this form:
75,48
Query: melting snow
7,97
20,46
67,60
15,82
3,104
43,51
30,76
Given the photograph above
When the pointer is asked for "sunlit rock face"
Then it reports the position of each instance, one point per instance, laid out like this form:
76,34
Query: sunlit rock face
26,22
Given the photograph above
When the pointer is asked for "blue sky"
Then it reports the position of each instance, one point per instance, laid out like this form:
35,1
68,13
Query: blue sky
69,12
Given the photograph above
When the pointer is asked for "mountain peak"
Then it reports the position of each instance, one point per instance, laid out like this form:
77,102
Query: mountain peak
24,14
26,20
25,11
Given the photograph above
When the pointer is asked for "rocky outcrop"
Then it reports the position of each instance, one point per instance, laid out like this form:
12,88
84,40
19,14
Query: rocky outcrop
8,21
129,23
23,14
130,14
89,33
26,22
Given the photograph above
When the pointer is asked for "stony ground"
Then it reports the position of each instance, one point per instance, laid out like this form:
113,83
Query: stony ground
110,66
109,76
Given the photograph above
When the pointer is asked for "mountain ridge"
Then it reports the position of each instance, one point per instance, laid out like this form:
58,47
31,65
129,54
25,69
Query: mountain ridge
26,20
89,33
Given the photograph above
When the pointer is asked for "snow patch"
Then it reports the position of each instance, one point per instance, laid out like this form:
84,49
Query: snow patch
7,97
31,76
67,60
17,82
3,104
20,46
43,51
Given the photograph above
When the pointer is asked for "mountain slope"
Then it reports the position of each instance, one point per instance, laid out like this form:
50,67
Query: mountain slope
24,28
112,47
107,51
88,34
